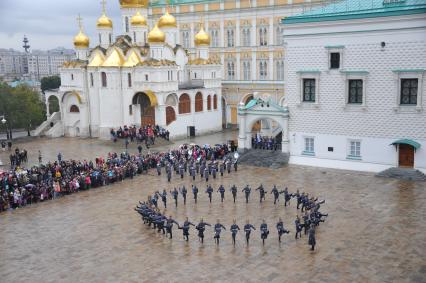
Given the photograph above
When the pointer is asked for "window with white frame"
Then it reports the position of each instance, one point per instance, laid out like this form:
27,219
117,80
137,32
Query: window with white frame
214,34
355,91
278,36
309,145
246,71
409,88
334,60
354,149
309,90
263,70
280,70
230,38
245,36
263,36
230,70
185,37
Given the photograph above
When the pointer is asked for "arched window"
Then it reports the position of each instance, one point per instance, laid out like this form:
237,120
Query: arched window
170,115
74,109
104,79
184,104
199,102
126,19
209,102
215,101
129,79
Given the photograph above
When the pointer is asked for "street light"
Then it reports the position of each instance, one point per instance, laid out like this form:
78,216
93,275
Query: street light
3,120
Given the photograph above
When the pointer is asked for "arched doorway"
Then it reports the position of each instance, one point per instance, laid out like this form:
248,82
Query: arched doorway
52,104
147,108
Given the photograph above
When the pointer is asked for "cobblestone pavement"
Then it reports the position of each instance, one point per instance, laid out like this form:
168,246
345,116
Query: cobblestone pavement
375,231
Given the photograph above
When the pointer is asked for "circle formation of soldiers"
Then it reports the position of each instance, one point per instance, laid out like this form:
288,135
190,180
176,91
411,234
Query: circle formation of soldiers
309,205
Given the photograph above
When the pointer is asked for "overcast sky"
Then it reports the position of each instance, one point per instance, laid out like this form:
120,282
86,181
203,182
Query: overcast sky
51,23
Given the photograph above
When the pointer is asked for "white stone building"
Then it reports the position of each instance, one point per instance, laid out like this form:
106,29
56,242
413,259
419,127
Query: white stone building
355,85
47,63
144,77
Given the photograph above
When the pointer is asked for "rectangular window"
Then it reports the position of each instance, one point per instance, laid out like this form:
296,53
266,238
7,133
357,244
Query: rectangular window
130,110
334,60
91,79
355,149
355,91
146,77
409,91
309,146
309,90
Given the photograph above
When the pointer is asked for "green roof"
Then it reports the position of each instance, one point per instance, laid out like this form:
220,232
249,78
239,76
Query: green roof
355,9
414,144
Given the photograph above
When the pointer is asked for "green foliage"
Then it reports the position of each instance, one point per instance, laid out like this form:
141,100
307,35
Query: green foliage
52,82
21,106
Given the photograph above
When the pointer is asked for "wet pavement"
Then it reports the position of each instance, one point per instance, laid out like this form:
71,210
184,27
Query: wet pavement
375,232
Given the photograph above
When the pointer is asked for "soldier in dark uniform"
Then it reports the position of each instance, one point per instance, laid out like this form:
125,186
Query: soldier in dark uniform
185,228
247,230
234,192
181,170
298,227
222,168
312,241
306,222
276,194
234,230
298,198
287,197
192,172
169,173
197,167
214,170
206,174
281,230
209,191
262,192
217,229
202,167
247,191
201,227
154,201
164,198
175,194
221,190
169,226
264,232
183,191
195,192
228,166
236,165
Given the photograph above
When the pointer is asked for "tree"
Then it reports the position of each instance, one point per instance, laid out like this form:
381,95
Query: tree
21,106
52,82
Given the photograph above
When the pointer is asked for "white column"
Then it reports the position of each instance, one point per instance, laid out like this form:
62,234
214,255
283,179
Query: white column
253,66
285,144
253,33
271,66
222,33
237,33
191,35
271,31
242,132
238,69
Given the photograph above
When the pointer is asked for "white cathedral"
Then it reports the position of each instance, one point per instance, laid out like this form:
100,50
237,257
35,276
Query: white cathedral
144,77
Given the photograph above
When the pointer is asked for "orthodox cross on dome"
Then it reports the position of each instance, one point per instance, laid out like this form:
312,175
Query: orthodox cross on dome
103,3
80,22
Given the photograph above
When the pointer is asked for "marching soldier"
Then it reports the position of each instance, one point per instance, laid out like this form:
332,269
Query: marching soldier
234,231
262,192
209,191
298,227
221,190
201,227
183,191
281,230
247,191
175,194
169,226
217,230
234,192
247,230
264,232
195,192
185,229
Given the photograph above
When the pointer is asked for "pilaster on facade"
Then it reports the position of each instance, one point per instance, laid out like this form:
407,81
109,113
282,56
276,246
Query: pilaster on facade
238,69
237,33
271,65
254,66
253,32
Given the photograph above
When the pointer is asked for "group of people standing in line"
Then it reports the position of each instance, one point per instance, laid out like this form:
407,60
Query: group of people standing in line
309,206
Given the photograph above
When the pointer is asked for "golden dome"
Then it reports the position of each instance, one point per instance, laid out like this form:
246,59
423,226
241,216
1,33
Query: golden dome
167,21
104,22
81,40
134,3
156,35
138,20
202,38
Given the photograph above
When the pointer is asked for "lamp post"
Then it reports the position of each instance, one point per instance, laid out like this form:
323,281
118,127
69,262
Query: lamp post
8,132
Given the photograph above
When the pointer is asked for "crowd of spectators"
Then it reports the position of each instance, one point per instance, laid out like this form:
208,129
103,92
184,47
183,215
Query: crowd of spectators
24,186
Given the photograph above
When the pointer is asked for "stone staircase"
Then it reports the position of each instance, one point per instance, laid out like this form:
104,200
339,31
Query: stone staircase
45,126
408,174
264,158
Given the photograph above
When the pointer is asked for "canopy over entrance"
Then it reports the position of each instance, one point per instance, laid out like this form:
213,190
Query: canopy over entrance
414,144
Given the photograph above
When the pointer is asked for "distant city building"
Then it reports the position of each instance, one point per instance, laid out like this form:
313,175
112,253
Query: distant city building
47,63
13,64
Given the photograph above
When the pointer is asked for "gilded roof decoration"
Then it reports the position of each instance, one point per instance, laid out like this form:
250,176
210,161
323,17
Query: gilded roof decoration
74,64
200,61
134,3
167,21
133,59
97,60
114,59
151,62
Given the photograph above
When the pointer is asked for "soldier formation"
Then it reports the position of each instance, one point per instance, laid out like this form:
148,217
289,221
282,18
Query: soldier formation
307,224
